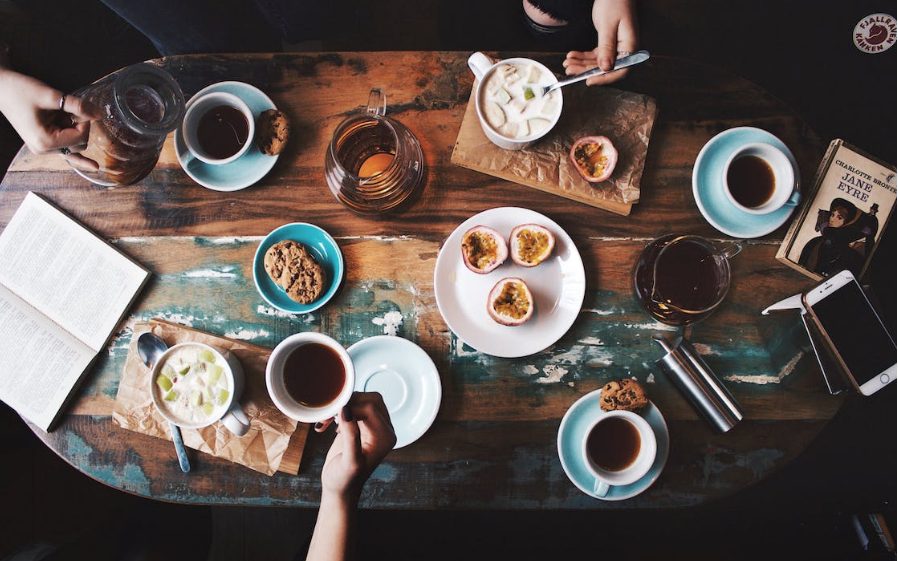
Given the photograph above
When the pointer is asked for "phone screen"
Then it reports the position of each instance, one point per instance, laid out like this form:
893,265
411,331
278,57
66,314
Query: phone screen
856,332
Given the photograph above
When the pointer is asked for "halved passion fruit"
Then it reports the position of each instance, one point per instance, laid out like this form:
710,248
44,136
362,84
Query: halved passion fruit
483,249
531,244
594,157
510,302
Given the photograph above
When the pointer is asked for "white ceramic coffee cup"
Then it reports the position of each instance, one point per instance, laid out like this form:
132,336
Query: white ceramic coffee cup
230,414
483,67
785,191
199,107
274,379
648,448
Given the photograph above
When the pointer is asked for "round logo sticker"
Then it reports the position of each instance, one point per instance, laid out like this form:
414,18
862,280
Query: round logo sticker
875,33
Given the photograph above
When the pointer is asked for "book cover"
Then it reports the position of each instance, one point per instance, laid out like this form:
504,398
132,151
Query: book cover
843,216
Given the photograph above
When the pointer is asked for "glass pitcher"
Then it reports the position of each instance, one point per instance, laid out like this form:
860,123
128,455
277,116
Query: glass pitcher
373,164
682,279
140,105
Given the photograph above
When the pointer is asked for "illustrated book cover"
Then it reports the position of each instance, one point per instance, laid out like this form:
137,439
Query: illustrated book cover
843,215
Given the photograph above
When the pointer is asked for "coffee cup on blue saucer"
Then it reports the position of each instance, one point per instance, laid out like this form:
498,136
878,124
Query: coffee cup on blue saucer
746,182
758,179
218,128
216,144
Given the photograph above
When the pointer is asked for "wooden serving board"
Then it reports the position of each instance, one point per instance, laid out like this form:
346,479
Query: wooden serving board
626,118
274,441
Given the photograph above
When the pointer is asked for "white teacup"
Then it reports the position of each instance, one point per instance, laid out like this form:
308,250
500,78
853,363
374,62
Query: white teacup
274,379
483,67
229,413
198,108
636,470
785,191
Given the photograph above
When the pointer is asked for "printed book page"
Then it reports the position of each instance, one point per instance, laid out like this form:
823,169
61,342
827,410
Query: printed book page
66,272
39,362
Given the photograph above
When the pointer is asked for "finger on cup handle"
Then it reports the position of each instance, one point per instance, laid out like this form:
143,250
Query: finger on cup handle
362,406
352,438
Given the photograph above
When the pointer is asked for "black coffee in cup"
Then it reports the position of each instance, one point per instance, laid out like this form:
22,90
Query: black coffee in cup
613,444
314,375
222,131
751,181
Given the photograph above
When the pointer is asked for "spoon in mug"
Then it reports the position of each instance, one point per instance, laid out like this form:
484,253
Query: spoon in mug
622,62
149,349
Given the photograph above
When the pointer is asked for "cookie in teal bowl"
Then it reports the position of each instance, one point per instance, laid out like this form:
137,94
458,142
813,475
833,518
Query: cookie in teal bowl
322,247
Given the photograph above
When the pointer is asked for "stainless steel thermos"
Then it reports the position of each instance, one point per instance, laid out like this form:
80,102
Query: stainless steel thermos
697,381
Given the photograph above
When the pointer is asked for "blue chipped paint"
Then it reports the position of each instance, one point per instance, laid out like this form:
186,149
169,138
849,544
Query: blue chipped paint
128,476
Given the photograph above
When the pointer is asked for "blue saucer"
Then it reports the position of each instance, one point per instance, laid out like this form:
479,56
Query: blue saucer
245,170
577,421
322,247
707,185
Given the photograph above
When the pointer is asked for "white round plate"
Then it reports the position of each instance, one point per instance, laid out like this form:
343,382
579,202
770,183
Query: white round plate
558,285
407,379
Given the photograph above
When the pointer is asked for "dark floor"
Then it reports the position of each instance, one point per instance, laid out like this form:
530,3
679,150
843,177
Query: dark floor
801,51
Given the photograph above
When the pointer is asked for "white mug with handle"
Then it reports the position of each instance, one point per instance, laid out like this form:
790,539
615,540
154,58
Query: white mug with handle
229,413
647,445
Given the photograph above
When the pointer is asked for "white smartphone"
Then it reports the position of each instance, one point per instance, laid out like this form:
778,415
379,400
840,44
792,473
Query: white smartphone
859,338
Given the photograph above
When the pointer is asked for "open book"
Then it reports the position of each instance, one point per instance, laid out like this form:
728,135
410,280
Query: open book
63,291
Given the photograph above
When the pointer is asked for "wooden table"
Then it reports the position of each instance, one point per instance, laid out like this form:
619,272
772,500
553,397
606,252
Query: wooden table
494,442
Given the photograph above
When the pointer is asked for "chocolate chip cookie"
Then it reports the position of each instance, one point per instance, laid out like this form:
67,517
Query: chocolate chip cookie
272,132
625,394
292,267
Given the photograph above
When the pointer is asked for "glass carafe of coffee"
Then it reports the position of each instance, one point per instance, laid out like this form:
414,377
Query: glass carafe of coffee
373,164
139,105
682,279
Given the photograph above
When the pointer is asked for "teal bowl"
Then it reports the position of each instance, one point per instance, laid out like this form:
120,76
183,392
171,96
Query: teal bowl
322,247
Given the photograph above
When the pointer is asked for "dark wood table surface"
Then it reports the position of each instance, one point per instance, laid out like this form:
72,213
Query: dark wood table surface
493,444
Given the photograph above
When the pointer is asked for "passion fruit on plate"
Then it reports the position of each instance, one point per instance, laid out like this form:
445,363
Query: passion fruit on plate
510,302
531,244
483,249
594,157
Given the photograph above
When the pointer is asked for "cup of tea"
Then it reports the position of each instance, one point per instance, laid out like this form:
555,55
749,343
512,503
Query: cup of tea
194,385
218,128
619,449
310,377
759,179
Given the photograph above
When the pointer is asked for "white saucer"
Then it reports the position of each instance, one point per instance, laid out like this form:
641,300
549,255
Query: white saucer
407,379
707,185
558,286
577,421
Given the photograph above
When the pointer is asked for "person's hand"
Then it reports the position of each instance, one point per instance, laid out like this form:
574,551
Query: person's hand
364,437
615,22
32,108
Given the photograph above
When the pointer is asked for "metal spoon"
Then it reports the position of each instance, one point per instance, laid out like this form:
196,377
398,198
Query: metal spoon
622,62
149,349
